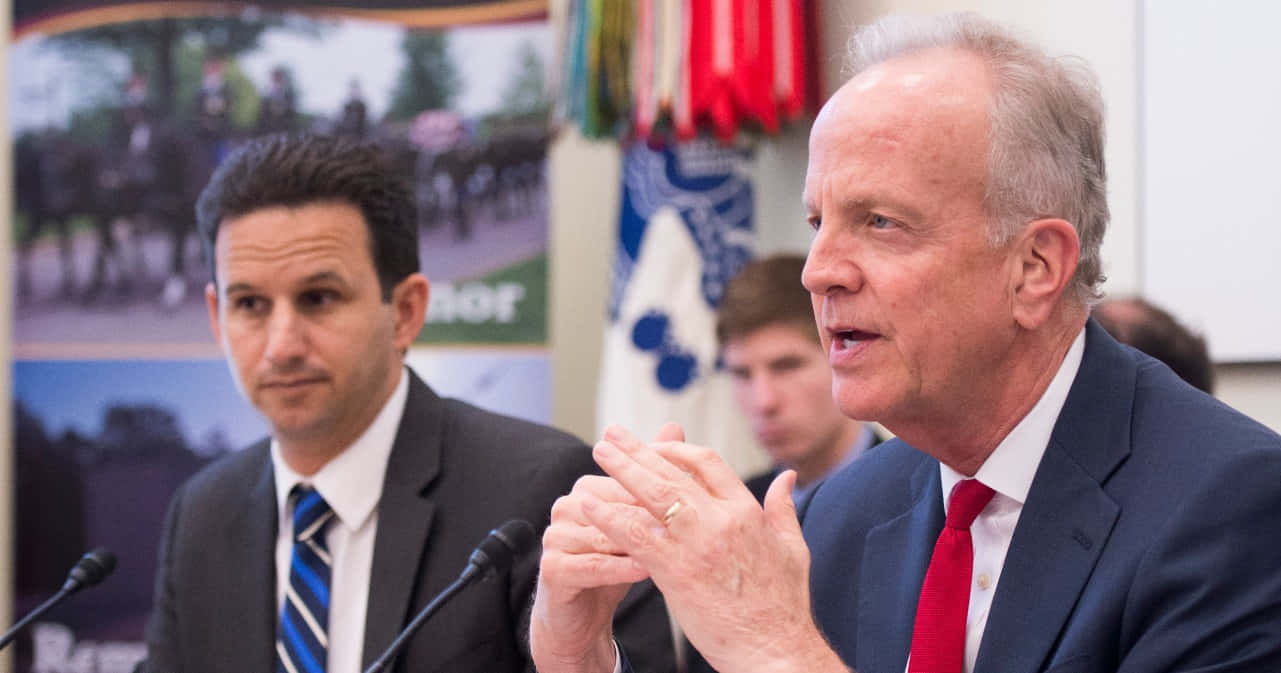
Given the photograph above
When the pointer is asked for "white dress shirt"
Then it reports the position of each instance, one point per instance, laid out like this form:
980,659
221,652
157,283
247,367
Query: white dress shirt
352,484
1009,472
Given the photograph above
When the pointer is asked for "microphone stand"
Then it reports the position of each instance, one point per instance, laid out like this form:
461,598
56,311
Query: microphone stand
469,573
91,569
494,554
44,607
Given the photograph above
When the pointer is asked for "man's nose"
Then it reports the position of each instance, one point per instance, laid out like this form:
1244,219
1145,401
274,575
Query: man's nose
830,264
286,337
765,395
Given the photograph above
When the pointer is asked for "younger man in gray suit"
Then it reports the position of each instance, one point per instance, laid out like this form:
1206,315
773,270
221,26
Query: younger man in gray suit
310,550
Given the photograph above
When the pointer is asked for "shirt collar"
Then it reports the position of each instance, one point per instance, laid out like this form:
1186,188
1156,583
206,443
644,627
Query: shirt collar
352,481
1012,466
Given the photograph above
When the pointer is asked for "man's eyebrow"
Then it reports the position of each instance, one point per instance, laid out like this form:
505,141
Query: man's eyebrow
325,276
855,203
887,206
318,277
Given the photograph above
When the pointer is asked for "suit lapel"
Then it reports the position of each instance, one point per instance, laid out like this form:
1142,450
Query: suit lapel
251,577
404,518
1060,535
899,549
1068,516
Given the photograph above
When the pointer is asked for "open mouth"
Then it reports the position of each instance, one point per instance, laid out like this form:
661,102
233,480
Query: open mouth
850,338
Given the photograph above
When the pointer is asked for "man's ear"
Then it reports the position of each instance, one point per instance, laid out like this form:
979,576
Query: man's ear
409,301
1046,255
211,301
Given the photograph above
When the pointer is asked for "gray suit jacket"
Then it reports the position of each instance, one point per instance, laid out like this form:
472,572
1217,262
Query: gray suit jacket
1149,541
454,473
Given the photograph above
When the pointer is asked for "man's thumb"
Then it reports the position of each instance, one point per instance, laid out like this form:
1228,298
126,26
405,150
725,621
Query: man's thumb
780,509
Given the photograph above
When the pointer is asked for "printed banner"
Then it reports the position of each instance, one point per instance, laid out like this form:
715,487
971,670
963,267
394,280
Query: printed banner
685,229
117,128
119,113
44,15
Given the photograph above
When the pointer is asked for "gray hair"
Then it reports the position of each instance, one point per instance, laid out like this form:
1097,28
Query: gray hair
1045,157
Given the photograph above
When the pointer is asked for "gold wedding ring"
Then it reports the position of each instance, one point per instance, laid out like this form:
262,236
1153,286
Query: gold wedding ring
672,512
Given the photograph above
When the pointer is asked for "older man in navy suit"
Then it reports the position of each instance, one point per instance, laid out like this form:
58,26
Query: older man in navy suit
1053,502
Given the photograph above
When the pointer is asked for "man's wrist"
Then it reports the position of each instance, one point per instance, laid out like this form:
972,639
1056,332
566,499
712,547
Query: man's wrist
807,653
602,656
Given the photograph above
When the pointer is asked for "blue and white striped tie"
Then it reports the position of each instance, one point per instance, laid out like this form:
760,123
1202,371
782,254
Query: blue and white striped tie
302,642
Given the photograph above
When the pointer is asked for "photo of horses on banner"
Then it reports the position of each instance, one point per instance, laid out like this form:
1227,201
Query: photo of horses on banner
117,127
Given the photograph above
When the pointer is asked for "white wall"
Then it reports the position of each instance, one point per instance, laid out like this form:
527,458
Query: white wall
1218,163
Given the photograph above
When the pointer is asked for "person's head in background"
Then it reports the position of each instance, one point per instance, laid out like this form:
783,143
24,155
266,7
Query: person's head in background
770,345
1154,331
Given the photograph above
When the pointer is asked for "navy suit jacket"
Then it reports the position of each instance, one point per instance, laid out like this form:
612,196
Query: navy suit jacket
1150,540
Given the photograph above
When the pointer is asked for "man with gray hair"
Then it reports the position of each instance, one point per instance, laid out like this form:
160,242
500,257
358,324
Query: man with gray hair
1052,502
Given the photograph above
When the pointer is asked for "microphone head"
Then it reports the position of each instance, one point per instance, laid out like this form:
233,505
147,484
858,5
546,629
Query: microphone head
503,544
91,569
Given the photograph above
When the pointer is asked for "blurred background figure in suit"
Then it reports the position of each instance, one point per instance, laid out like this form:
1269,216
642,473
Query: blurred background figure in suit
1139,323
782,382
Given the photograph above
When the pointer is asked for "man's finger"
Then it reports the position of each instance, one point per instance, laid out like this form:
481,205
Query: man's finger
573,538
568,507
641,452
590,571
670,432
705,466
652,491
638,533
605,488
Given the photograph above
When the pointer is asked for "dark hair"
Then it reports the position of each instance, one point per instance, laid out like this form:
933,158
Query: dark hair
765,292
1154,331
302,169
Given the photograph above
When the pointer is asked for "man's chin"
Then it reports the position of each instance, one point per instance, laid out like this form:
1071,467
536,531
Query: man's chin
860,407
783,454
297,427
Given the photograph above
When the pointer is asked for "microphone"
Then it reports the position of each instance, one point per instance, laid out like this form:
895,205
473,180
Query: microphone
91,569
496,552
494,555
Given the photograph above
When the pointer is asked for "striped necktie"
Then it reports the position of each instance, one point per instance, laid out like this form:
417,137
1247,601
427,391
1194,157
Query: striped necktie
302,641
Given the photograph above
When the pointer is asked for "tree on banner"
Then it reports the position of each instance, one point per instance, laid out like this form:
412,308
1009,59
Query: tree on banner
684,230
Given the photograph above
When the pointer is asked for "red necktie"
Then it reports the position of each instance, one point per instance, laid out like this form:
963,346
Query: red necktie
938,640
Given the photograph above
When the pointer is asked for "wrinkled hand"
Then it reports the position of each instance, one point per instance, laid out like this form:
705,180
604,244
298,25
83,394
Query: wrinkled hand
734,575
583,575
